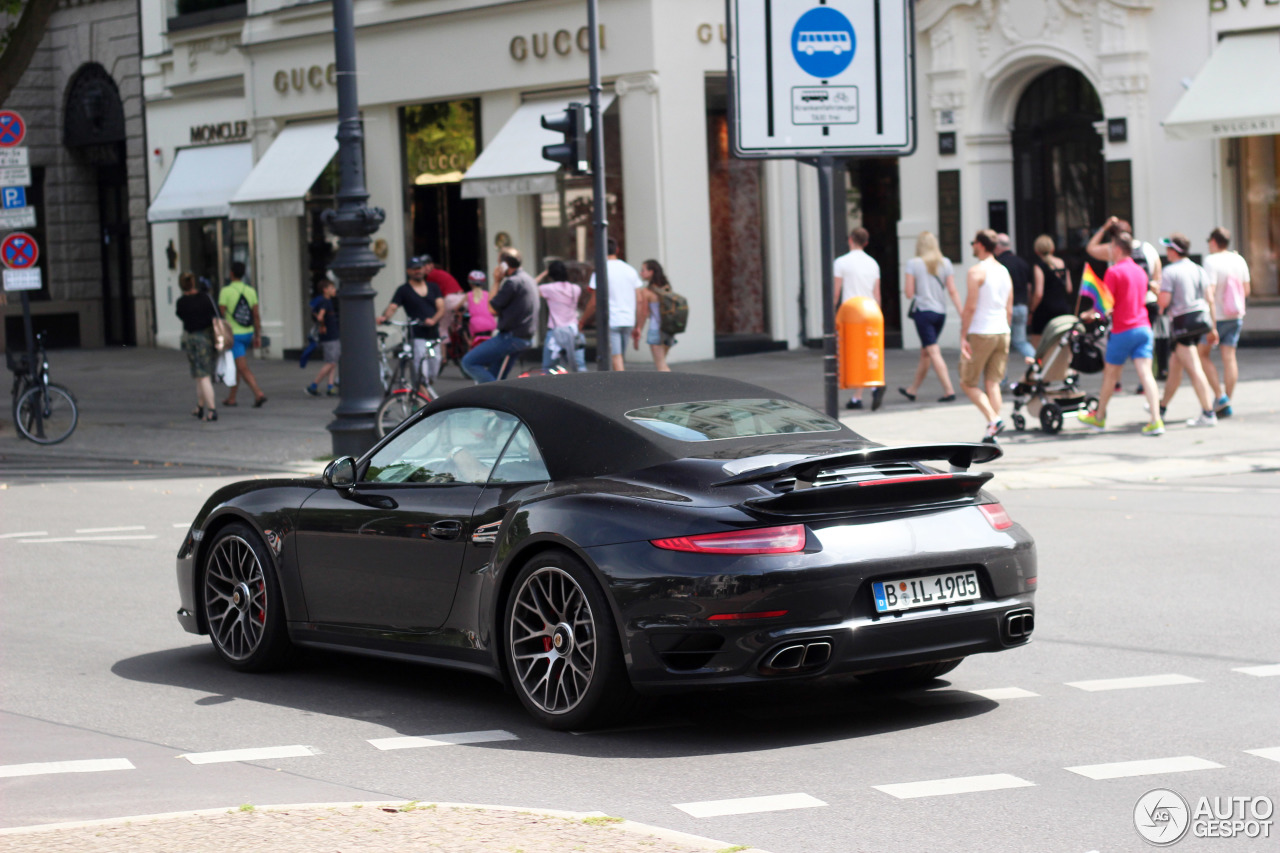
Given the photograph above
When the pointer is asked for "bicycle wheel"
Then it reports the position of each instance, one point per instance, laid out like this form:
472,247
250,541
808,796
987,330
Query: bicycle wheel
57,414
398,406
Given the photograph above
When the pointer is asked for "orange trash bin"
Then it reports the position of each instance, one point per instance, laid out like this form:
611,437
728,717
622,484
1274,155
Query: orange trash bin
860,343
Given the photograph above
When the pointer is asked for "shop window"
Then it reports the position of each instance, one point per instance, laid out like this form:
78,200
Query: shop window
565,216
186,14
1259,240
209,246
440,144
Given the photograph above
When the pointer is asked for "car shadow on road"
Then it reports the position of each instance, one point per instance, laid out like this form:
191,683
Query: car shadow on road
417,700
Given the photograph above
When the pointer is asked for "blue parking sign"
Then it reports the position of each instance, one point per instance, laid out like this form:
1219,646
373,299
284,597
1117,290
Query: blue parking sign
14,197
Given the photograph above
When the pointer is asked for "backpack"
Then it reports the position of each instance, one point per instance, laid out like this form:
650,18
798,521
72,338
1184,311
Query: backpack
673,312
243,313
1232,297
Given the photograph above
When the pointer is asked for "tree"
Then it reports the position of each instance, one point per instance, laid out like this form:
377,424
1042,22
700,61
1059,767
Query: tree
18,41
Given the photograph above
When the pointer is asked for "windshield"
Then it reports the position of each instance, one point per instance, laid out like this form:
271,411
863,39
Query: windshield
711,420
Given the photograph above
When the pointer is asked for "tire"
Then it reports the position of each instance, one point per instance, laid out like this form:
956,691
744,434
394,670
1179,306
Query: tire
910,676
243,606
398,406
58,414
1051,418
561,647
1019,422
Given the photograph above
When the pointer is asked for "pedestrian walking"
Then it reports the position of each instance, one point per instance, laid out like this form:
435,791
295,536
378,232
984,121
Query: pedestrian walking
424,305
1229,274
858,274
985,332
929,280
1020,275
1148,260
515,299
660,343
1050,290
624,304
1187,297
562,339
1131,336
197,312
324,312
239,305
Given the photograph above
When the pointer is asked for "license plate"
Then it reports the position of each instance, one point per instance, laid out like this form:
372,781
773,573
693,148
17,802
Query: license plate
931,591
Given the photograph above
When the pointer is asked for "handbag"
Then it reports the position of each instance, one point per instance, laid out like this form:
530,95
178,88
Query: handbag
222,337
1191,324
225,371
911,309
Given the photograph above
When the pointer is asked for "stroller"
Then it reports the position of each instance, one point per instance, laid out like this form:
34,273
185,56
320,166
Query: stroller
1070,346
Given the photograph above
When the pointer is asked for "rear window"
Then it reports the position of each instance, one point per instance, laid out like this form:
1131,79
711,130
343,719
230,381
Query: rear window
710,420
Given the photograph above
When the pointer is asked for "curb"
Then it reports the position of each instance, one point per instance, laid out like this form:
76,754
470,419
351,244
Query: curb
624,825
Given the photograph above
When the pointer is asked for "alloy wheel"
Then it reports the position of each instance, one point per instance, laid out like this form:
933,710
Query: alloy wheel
553,640
235,598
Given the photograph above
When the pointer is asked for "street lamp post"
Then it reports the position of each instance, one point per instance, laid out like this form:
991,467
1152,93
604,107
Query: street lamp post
353,427
600,198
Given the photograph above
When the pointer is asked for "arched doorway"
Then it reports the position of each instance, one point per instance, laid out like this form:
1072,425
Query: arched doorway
1059,167
94,130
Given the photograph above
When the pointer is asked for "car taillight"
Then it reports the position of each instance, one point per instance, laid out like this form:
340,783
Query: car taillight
787,539
996,516
759,614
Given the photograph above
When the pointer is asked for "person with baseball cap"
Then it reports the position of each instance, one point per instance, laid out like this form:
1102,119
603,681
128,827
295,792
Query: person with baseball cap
1185,289
424,305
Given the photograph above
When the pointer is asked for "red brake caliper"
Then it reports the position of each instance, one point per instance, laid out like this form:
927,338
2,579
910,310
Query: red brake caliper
546,641
262,614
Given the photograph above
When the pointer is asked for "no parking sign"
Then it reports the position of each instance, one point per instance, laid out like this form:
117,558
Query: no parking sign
12,129
19,251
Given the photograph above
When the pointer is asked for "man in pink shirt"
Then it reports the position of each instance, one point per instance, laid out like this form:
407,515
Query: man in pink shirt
1131,336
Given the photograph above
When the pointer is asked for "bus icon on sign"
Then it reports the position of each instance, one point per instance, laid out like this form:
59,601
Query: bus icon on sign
831,42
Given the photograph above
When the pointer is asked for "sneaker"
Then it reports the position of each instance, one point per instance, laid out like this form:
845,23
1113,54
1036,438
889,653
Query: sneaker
313,390
877,397
1091,419
1156,428
854,404
947,398
332,392
1206,419
990,439
1223,402
1224,412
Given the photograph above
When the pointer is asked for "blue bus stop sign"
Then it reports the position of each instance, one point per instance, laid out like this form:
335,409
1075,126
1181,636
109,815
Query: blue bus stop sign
823,42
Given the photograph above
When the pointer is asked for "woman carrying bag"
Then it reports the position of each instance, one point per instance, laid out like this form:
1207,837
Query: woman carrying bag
929,282
1187,297
199,315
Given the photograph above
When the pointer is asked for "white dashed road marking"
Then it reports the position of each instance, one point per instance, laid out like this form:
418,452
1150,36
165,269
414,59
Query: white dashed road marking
92,765
111,529
750,805
961,785
20,535
1272,752
1137,681
1260,671
997,693
90,538
1148,767
442,740
258,754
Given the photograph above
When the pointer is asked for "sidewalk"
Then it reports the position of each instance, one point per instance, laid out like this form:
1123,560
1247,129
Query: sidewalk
135,406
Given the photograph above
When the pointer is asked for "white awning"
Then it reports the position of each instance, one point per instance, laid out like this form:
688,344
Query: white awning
201,182
280,181
512,164
1236,93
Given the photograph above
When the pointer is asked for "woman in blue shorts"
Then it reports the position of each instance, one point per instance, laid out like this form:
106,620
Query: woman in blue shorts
927,282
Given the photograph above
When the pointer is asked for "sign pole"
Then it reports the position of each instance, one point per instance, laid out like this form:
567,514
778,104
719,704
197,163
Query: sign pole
29,331
826,232
600,200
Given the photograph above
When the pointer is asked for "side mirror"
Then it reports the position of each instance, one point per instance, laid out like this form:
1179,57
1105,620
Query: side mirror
340,474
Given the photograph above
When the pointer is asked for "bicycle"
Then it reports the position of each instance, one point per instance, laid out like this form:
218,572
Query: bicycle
407,389
43,412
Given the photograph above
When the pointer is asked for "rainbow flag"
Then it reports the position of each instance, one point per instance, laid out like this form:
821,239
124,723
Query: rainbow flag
1092,286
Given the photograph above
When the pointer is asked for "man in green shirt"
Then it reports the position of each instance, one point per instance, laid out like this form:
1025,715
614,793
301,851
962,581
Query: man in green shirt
238,303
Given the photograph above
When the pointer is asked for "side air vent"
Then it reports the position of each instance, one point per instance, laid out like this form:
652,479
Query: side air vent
687,652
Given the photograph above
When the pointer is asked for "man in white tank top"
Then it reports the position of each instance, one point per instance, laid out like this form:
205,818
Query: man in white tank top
984,332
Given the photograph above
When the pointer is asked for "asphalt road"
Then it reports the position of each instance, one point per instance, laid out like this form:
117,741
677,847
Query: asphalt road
1169,585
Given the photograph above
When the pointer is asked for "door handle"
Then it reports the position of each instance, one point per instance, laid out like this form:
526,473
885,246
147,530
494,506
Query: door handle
445,530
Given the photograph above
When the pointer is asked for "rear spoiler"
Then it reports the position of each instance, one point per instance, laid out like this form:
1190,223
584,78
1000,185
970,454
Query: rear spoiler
960,455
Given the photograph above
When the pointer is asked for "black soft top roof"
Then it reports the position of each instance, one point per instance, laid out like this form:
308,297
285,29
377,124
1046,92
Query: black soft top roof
580,423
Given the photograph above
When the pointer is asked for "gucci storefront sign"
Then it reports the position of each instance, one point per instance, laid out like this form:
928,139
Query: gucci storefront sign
561,42
220,132
299,79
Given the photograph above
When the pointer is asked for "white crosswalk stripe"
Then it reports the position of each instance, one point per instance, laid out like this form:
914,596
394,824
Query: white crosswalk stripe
111,529
251,754
959,785
1146,767
92,765
90,538
20,535
750,805
1133,682
998,693
1272,752
1260,671
456,739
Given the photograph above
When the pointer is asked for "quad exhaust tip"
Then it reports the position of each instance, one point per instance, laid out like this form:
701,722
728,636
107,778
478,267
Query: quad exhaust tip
793,657
1019,624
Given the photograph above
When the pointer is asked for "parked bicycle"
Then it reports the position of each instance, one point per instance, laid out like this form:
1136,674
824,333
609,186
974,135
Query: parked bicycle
43,412
408,389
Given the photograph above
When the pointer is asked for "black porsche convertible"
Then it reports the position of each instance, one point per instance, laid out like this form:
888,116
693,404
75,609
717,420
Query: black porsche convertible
593,536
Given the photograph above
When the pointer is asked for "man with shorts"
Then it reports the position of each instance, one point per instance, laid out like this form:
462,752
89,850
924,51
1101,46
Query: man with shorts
324,310
984,332
238,303
1185,289
858,274
1131,336
626,302
1229,274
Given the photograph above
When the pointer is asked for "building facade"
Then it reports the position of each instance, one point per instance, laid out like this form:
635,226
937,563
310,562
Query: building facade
81,98
1035,116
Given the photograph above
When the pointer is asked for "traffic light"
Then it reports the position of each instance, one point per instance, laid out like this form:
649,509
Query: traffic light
573,152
